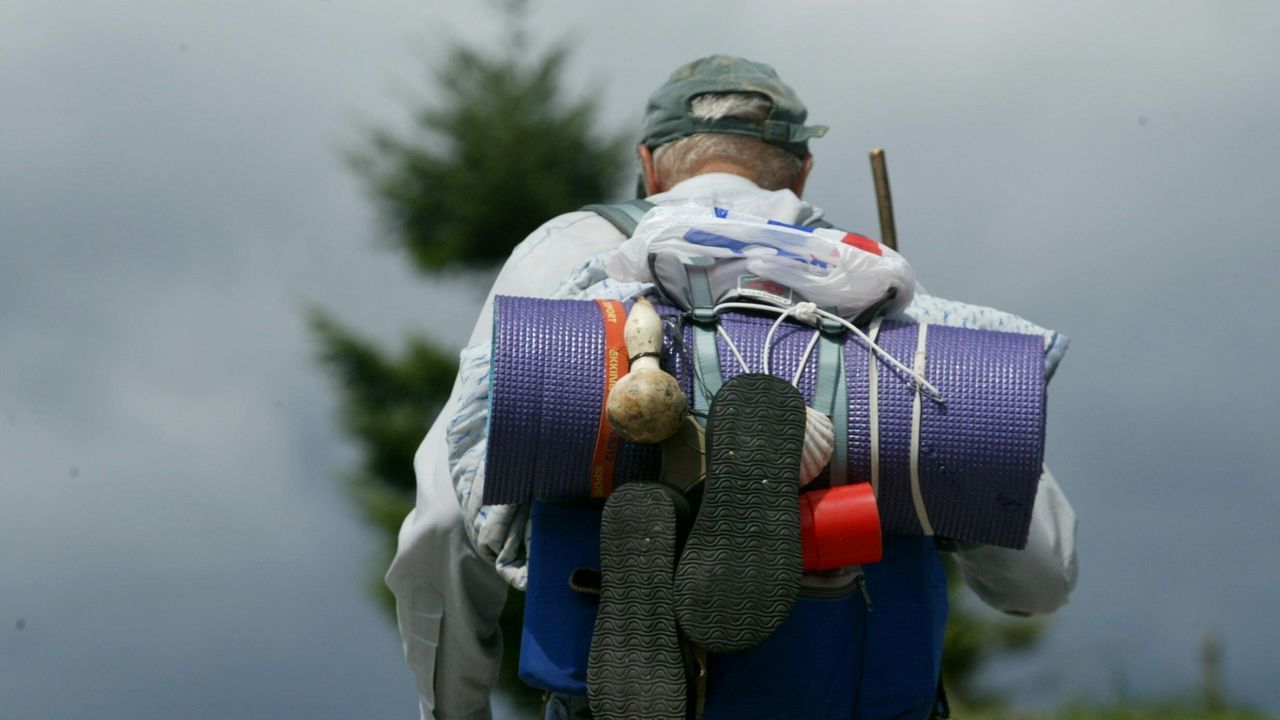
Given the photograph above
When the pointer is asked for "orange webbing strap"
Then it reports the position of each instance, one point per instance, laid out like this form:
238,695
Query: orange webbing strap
615,366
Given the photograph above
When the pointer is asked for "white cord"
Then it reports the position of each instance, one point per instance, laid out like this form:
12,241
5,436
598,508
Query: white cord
873,410
805,312
916,498
804,359
809,312
733,348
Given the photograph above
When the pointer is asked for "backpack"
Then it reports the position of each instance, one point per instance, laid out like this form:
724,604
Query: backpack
862,643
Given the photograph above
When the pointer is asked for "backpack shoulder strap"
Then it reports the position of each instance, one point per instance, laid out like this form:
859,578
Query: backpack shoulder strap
624,215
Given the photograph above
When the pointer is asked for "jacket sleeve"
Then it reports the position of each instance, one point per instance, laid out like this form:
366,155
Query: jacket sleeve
1037,579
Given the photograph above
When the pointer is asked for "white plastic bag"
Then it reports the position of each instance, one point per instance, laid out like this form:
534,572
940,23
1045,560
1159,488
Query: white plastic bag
831,268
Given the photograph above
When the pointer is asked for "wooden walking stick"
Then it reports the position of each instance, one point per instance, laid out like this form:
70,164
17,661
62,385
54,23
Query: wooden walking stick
884,201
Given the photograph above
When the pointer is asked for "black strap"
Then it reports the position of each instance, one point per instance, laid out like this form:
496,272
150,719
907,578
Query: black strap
624,215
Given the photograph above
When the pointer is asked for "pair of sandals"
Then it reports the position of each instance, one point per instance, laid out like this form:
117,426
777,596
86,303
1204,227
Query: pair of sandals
737,575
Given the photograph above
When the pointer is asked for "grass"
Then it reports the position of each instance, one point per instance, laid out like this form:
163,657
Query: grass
1152,710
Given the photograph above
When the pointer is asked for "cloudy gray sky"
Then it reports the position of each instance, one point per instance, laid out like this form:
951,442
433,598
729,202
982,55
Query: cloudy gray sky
174,540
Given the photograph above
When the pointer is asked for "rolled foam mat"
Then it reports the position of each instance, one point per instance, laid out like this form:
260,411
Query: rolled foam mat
980,451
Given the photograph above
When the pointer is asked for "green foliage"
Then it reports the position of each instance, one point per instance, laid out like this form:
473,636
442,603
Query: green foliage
499,155
384,508
1169,709
974,636
387,402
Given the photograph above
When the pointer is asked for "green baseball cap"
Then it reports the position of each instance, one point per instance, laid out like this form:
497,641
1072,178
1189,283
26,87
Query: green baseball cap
668,116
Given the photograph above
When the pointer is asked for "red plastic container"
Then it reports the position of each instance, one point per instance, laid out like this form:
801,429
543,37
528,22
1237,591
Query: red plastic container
840,527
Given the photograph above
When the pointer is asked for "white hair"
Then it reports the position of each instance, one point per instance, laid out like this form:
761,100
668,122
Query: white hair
714,106
771,167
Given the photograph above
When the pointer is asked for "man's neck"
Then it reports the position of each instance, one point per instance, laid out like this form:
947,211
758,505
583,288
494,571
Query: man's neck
723,166
713,182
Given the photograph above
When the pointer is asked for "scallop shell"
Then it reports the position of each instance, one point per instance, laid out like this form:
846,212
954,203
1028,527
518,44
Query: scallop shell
819,442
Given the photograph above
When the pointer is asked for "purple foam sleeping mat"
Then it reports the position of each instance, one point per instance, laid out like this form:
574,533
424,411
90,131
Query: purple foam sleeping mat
980,451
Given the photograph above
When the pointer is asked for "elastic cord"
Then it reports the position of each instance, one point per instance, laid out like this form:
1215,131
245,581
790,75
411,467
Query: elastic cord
737,354
805,312
873,410
916,498
804,358
732,348
809,311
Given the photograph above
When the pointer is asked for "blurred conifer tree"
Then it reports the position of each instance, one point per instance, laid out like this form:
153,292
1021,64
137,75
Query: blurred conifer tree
500,151
497,154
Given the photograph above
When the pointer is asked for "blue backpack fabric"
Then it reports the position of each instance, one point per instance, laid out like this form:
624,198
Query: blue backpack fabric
558,619
904,633
830,660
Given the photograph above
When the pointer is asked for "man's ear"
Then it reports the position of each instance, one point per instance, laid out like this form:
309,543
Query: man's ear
652,183
797,187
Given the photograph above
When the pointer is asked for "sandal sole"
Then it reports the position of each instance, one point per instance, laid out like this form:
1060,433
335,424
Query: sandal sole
636,669
740,571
